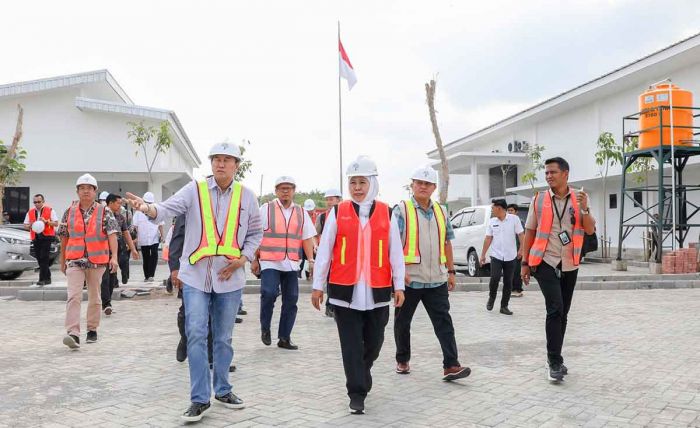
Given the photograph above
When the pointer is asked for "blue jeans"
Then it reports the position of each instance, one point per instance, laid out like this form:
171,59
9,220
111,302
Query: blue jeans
199,306
271,281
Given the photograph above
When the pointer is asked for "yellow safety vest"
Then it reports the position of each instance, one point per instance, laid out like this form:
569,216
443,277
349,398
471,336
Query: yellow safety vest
411,252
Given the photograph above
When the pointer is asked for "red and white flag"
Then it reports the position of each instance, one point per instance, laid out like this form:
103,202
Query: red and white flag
346,70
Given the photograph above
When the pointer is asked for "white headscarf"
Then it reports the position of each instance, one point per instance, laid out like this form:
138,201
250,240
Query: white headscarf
366,204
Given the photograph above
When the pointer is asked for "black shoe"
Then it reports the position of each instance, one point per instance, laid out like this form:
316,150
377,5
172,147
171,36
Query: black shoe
169,287
554,373
357,406
181,353
242,311
47,282
72,341
506,311
40,283
230,400
232,368
489,304
287,344
329,311
564,370
239,320
195,412
265,337
91,337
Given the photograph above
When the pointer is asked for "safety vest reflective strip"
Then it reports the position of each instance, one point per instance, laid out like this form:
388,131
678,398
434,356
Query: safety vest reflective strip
48,229
282,239
90,239
411,250
210,242
545,217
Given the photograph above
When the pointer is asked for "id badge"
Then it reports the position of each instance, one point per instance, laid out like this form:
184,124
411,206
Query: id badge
564,238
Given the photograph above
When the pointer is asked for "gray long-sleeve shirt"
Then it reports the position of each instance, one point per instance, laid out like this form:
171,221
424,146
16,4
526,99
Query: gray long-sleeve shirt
203,275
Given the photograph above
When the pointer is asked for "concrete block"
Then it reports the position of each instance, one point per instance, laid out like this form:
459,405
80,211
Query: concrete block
30,295
57,295
620,265
655,268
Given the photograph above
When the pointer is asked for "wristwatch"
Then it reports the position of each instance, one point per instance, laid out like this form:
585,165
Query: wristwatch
452,271
524,263
586,211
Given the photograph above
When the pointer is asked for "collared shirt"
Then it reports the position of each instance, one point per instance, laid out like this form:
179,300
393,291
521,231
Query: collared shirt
504,245
362,299
148,233
52,217
555,252
308,231
110,226
204,274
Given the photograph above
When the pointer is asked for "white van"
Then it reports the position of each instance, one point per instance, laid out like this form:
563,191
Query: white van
469,225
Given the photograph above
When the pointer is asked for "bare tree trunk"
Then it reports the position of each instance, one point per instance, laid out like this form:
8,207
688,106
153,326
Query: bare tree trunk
12,150
444,170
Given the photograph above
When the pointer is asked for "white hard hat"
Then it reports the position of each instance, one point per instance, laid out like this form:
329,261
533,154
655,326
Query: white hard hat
332,192
362,166
38,226
225,148
103,196
425,173
86,179
309,205
149,197
285,179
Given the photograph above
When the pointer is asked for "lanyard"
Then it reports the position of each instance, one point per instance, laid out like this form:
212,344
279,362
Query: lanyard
563,211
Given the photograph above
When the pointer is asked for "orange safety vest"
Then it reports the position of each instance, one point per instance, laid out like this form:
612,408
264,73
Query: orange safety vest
545,217
350,255
282,239
48,230
91,239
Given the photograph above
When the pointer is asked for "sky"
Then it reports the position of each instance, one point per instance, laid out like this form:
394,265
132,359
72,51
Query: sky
267,71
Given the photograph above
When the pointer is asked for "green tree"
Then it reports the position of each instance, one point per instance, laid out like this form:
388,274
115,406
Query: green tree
155,139
12,158
246,164
534,156
608,154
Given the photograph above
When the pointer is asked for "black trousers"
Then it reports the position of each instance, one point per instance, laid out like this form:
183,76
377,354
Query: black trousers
557,293
123,258
109,282
361,337
181,328
150,260
498,268
42,249
437,304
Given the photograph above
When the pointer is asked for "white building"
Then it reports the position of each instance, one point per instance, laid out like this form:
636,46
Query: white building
568,125
78,123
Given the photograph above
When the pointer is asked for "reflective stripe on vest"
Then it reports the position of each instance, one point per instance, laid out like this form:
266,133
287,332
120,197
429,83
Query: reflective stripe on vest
282,239
48,229
211,242
545,217
90,240
411,250
350,255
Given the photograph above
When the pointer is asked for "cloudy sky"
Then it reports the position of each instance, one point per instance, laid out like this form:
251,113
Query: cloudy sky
266,71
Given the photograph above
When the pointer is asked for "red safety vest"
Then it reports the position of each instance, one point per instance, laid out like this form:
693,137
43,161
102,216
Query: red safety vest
48,230
360,249
90,240
545,217
282,239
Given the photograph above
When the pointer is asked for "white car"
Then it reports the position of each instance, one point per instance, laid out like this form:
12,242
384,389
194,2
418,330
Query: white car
469,226
15,255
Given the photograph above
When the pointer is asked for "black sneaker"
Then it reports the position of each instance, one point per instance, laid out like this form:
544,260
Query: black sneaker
489,304
195,412
357,406
287,344
230,400
40,283
181,353
554,373
72,341
239,320
242,311
564,370
266,338
506,311
91,337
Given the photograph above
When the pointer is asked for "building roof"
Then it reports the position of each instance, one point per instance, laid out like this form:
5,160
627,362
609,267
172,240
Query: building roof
614,75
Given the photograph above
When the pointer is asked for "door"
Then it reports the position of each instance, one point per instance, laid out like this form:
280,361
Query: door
460,244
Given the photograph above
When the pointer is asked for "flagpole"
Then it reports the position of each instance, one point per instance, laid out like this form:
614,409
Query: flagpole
340,120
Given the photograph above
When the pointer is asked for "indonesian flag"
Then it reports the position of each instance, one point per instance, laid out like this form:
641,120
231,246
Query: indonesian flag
346,70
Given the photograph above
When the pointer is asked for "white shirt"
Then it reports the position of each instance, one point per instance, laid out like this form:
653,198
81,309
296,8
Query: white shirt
504,233
362,298
308,231
148,233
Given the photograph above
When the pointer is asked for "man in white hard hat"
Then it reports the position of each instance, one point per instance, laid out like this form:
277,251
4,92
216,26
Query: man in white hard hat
333,197
41,222
103,198
219,239
288,230
430,274
88,233
149,237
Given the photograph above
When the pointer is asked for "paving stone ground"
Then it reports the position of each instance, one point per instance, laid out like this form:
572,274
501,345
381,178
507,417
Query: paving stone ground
633,356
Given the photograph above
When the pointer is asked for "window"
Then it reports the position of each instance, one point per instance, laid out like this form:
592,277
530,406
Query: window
496,179
637,199
16,203
456,220
613,201
479,217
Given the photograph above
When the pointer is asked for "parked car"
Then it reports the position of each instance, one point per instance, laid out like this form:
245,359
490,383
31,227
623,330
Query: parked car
469,225
54,252
15,257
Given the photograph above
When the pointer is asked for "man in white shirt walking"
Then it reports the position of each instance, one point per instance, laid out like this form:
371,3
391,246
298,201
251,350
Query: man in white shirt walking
500,236
149,238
